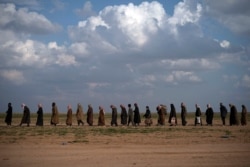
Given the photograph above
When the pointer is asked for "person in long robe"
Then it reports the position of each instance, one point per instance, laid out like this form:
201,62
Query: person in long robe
130,115
101,118
172,120
233,115
243,119
123,115
162,112
209,115
39,120
223,114
26,115
183,114
114,115
147,116
90,115
79,114
69,116
55,115
137,117
8,118
198,119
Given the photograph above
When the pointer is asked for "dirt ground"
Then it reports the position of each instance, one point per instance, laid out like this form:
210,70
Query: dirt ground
125,146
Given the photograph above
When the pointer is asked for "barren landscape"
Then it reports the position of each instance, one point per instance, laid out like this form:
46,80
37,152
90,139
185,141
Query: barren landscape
123,146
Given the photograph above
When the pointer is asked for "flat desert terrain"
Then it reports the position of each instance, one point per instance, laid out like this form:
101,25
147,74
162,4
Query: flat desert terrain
123,146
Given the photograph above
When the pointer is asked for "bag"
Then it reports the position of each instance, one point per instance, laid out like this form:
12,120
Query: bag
173,120
198,120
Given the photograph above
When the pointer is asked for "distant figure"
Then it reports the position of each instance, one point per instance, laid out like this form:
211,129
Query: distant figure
243,115
114,116
197,115
101,118
39,120
162,112
209,115
130,115
79,114
137,117
223,114
172,120
147,115
69,116
8,118
90,115
233,115
124,115
55,115
26,115
183,114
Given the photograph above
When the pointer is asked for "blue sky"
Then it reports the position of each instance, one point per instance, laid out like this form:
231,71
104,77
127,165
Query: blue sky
120,52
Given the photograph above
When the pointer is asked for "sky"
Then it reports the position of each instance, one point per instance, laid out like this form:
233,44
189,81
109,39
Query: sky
121,52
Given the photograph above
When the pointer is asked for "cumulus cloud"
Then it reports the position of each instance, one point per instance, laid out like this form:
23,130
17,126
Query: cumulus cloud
225,44
24,21
234,14
14,76
177,77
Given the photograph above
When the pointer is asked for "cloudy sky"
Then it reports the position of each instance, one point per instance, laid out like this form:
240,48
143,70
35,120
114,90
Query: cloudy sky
119,52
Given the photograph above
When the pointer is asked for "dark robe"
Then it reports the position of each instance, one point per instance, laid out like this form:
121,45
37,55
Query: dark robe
223,113
54,116
243,116
197,116
137,117
233,116
69,117
8,118
114,117
183,115
101,118
124,116
209,116
39,120
147,115
90,116
172,115
26,115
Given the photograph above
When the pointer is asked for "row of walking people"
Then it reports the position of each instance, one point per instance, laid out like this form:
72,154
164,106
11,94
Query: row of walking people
131,116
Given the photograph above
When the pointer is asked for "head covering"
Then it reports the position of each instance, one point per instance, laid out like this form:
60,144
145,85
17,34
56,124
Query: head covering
22,105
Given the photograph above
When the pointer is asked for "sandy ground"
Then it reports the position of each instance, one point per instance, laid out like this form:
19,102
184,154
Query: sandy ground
149,147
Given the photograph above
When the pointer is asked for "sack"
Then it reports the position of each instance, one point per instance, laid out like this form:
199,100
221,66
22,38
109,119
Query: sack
173,120
198,119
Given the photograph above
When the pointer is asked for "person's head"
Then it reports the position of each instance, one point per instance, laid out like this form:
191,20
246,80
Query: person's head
221,104
69,107
9,104
129,105
53,104
22,105
39,105
135,104
208,106
147,107
243,106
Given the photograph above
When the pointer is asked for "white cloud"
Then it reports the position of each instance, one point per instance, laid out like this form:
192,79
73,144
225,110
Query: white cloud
225,44
23,21
80,49
177,77
14,76
183,14
192,63
245,82
66,60
234,14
